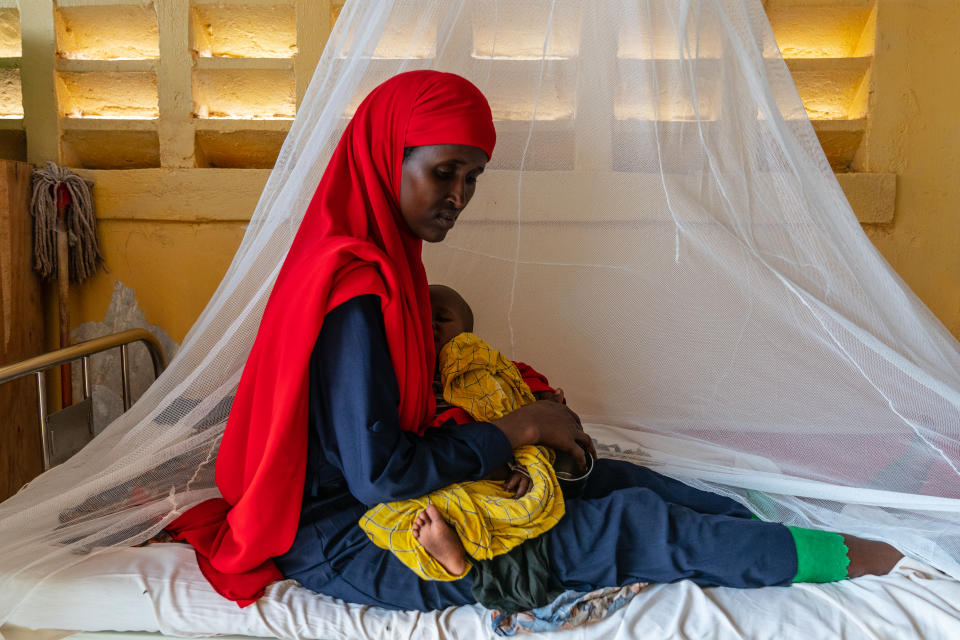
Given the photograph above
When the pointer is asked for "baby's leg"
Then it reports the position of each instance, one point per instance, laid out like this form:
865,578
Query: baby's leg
440,540
338,559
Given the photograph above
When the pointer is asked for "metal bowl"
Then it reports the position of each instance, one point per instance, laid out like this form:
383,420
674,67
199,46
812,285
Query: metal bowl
572,480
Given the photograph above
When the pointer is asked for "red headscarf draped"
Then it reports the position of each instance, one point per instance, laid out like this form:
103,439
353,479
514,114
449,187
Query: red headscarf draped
352,241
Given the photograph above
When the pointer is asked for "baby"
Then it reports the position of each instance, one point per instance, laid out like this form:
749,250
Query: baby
451,317
486,518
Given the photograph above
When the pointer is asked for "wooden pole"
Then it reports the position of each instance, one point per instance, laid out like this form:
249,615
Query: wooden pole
63,290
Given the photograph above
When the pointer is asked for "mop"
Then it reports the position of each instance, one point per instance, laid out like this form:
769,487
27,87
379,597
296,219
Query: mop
65,242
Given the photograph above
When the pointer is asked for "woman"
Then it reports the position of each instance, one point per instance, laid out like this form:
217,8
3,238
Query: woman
329,415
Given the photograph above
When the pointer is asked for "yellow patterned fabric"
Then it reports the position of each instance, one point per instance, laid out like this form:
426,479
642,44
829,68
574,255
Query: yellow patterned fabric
488,519
477,378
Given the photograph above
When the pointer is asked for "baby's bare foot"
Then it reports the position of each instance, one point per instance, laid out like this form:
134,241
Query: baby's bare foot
440,540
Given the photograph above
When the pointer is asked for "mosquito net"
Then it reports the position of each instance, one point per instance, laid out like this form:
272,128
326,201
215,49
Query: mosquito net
658,231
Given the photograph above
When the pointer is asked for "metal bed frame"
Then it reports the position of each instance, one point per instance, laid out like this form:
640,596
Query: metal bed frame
81,351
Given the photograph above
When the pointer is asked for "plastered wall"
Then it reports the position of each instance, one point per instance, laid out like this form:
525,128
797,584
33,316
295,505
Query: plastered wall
914,131
172,268
170,234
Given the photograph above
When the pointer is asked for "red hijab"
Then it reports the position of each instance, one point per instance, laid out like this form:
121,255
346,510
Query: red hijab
352,241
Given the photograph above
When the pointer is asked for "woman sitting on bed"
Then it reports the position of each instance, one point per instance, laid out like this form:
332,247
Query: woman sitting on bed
330,414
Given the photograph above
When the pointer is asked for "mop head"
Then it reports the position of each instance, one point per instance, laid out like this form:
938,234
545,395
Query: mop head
80,222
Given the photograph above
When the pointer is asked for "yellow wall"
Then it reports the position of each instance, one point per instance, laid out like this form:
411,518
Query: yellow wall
174,268
174,262
169,235
914,131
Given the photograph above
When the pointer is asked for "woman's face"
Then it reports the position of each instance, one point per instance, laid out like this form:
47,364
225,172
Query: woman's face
436,183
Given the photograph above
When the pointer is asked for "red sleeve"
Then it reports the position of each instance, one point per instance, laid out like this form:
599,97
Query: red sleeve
534,379
458,415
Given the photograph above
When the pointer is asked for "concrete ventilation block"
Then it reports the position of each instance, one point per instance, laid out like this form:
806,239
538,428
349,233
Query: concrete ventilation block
11,98
822,31
244,93
107,94
238,149
93,149
10,33
108,32
238,31
13,144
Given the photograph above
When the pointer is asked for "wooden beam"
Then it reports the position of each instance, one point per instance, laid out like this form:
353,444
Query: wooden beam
21,330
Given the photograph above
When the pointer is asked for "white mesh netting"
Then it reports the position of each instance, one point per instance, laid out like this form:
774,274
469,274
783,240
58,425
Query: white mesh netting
658,232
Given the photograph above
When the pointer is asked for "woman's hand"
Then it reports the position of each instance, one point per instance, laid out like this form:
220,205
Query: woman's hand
555,396
550,424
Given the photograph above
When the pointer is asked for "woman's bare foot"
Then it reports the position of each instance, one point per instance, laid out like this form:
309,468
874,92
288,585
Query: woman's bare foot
440,541
869,557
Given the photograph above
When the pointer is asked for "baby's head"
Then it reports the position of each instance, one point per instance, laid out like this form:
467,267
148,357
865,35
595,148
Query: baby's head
451,314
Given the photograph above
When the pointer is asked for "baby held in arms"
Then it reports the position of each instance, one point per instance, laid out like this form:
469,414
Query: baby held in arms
435,535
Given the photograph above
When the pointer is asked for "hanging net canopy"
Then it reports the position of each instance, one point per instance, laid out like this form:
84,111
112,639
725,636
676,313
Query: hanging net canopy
658,232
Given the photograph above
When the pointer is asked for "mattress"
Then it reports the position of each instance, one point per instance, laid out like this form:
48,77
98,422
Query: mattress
160,589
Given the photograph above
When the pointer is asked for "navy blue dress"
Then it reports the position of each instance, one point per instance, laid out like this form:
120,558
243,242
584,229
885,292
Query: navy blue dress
630,523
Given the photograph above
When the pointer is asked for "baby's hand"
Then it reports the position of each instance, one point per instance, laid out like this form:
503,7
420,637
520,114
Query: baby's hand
518,481
556,396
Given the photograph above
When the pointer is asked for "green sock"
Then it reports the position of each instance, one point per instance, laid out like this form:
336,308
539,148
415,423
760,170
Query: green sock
821,555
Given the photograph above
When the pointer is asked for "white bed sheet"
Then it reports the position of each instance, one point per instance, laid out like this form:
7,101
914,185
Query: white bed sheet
160,588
